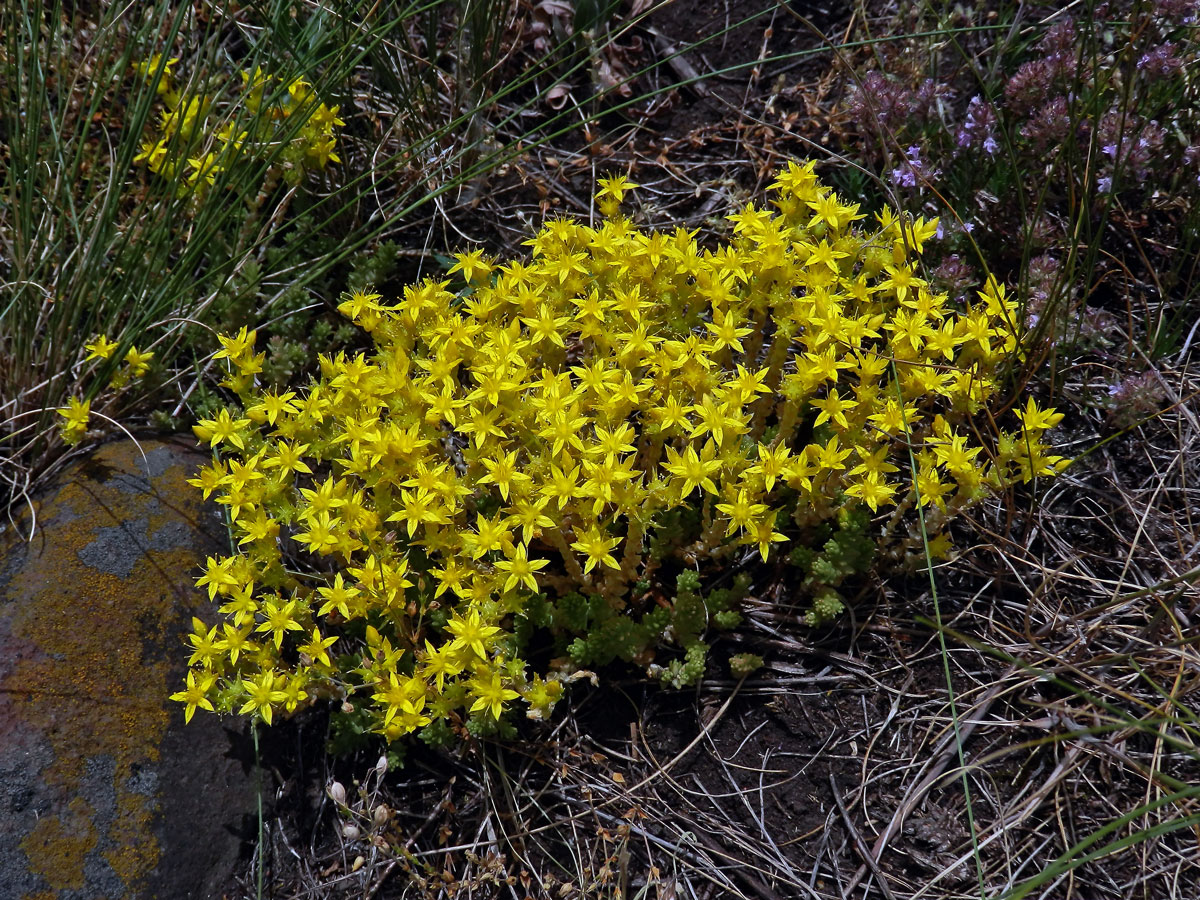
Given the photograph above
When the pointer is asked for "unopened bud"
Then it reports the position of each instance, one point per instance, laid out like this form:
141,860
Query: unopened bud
337,793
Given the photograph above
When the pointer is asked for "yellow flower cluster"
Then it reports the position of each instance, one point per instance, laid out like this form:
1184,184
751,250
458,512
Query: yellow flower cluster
78,412
182,145
529,432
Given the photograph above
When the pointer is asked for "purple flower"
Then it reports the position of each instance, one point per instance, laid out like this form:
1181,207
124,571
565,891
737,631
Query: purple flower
953,276
1135,397
979,128
912,169
1176,11
1050,125
1104,184
1042,276
1059,41
1161,62
1139,143
890,103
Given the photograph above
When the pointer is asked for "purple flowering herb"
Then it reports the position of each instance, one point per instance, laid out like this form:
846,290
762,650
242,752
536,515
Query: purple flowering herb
979,127
1043,230
1029,86
1130,143
1191,154
912,168
1050,125
1042,275
1176,12
1037,80
1160,63
1136,397
954,276
1059,41
890,103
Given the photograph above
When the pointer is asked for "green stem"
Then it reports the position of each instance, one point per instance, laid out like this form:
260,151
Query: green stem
258,785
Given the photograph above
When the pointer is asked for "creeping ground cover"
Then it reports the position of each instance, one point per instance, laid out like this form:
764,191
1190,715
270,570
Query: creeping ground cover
545,466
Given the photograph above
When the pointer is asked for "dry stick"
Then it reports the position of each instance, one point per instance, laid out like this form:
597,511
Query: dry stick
678,62
387,870
859,844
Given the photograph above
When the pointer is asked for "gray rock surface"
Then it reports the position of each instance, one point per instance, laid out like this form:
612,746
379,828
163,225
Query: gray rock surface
104,793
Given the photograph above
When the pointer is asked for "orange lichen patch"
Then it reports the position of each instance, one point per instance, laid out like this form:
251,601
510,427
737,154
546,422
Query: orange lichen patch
58,846
102,601
133,853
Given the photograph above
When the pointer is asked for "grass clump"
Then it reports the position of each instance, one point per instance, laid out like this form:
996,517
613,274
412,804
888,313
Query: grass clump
173,170
557,455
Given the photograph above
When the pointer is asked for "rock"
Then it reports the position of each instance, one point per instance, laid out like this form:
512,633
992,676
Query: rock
104,793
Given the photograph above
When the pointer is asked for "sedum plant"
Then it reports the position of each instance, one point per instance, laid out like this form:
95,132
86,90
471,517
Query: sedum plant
551,461
201,134
134,364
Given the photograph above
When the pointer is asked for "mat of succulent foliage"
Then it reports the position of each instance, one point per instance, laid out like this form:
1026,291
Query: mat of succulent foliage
837,769
571,446
837,764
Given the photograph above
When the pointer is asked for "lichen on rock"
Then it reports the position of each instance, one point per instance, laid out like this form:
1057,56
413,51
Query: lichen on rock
93,611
